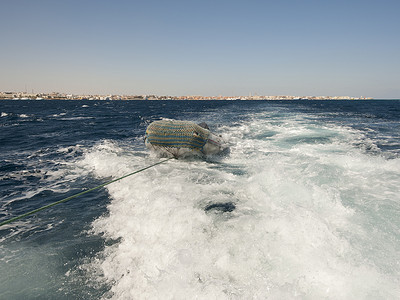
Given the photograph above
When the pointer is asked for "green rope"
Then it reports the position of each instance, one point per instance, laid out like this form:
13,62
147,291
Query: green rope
79,194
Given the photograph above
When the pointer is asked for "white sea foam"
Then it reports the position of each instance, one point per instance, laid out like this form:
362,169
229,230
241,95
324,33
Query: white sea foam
309,221
77,118
3,114
43,174
58,115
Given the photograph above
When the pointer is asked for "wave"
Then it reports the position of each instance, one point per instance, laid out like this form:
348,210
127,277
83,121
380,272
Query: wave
306,218
305,206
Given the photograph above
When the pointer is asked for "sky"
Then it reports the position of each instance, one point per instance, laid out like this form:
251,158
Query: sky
210,48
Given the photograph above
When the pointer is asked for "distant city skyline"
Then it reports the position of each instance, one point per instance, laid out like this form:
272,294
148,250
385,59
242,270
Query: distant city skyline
209,48
8,95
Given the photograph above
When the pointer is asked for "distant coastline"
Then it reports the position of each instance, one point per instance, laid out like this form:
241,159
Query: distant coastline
63,96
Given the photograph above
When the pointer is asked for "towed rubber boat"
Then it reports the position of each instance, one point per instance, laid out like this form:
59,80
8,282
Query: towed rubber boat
173,138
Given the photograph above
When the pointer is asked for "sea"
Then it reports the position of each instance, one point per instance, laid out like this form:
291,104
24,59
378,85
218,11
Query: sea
306,205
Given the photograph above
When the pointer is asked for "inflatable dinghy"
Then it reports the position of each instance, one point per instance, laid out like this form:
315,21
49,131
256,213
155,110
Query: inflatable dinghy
174,138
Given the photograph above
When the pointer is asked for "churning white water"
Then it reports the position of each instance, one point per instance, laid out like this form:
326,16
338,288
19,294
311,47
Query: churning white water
298,210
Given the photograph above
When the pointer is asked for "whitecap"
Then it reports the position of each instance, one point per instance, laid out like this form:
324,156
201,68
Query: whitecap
297,228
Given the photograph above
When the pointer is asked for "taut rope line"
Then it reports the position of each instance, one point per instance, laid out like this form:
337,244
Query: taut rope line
79,194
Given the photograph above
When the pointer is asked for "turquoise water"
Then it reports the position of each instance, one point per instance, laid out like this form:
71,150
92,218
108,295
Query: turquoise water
311,187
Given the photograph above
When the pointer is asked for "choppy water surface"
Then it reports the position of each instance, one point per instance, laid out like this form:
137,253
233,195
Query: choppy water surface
306,206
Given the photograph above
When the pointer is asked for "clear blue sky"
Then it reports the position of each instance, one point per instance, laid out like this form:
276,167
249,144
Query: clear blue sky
170,47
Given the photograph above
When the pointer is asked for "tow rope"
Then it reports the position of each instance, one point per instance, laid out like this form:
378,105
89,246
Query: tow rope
79,194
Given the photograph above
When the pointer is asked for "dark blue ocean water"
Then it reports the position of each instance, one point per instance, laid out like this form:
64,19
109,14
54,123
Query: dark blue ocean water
312,188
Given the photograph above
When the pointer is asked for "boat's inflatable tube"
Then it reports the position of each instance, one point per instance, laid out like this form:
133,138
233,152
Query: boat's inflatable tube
182,139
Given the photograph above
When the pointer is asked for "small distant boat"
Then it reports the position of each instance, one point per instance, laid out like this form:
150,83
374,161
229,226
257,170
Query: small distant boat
174,138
